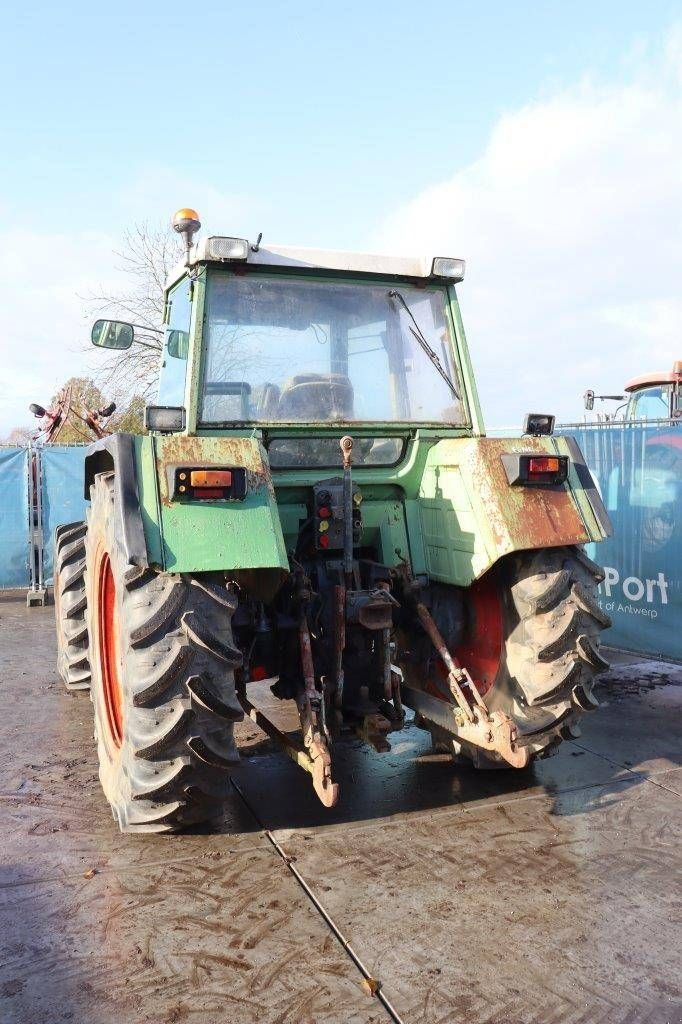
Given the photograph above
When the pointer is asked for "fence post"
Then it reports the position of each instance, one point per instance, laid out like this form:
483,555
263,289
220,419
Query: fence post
36,592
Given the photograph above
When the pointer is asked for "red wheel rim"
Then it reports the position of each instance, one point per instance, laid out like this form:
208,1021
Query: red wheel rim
109,652
481,649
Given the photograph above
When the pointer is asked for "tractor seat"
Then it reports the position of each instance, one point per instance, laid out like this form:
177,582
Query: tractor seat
317,396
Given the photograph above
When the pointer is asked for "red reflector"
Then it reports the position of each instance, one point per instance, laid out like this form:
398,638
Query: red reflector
210,478
259,672
543,465
208,492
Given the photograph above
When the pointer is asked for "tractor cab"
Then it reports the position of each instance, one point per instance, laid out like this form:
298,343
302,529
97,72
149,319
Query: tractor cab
652,396
655,396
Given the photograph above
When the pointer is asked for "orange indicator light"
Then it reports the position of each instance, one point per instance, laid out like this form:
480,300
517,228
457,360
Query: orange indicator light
543,465
210,478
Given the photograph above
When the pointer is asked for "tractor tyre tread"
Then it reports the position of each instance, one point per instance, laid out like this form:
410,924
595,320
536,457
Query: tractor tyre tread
552,652
550,655
172,769
70,605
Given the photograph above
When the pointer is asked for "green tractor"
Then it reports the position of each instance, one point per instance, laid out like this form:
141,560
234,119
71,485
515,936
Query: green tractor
316,504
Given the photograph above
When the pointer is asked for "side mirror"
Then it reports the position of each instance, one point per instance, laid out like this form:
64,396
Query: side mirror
112,334
589,400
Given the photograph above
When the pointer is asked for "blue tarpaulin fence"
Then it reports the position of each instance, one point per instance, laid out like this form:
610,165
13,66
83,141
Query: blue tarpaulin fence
14,517
638,467
62,494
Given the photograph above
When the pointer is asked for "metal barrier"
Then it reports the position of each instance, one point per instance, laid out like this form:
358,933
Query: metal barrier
61,494
14,517
40,488
638,467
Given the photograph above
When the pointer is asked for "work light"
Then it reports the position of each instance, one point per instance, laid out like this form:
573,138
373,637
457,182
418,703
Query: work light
538,424
221,248
444,266
166,419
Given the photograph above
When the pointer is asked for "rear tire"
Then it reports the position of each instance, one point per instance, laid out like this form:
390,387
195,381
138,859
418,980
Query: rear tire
73,663
163,691
550,653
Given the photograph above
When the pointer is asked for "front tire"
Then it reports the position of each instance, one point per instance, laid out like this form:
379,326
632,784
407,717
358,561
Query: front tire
163,662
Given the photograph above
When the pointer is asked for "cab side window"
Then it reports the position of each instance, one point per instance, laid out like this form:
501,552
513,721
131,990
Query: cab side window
651,404
175,346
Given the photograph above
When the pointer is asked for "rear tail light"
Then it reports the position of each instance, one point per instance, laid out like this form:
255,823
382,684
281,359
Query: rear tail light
209,483
547,468
536,470
210,477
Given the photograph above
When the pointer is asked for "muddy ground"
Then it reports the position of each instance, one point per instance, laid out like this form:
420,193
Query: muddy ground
548,895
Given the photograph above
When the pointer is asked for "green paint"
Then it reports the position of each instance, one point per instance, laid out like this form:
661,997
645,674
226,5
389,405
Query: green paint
145,457
445,507
469,516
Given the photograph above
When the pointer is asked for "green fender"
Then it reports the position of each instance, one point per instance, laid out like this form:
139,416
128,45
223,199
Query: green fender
205,536
470,516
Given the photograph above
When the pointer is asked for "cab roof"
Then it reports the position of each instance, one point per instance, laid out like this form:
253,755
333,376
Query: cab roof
419,267
647,380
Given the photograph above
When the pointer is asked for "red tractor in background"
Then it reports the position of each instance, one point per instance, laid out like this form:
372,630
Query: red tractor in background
652,396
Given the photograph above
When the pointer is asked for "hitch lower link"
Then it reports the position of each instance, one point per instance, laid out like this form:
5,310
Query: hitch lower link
312,754
471,722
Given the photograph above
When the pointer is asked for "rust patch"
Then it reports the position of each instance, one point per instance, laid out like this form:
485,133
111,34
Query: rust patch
523,517
175,450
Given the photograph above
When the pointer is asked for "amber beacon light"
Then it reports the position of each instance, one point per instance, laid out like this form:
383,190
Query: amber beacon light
186,222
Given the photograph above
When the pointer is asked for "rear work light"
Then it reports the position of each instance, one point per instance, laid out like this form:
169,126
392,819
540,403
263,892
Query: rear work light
538,424
208,483
166,419
221,248
450,269
536,470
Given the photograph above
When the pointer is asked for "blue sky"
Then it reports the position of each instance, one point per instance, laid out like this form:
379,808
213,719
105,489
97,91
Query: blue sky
316,124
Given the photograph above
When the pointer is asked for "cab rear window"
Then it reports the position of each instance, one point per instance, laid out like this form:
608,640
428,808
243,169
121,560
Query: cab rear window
324,452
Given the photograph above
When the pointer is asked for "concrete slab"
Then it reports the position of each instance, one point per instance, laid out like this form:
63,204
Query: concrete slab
210,939
539,896
205,928
545,895
640,725
534,910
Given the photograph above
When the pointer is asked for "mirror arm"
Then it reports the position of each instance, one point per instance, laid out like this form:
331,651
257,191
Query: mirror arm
155,348
151,330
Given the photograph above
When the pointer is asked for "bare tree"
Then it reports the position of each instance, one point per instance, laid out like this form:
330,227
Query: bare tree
148,256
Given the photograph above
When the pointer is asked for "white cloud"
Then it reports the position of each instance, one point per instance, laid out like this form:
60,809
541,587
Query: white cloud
571,224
